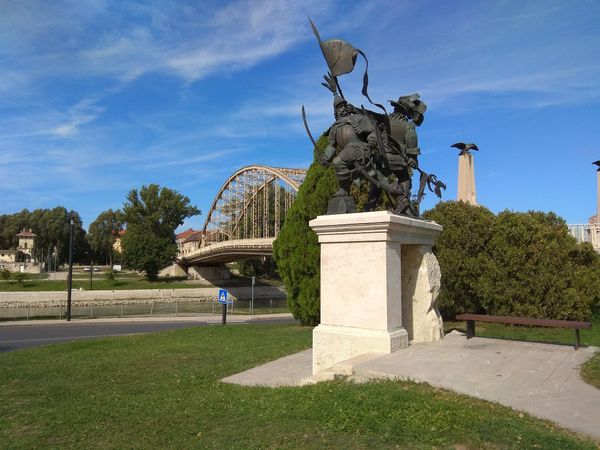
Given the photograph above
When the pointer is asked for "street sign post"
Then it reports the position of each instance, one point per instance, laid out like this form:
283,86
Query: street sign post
223,300
252,300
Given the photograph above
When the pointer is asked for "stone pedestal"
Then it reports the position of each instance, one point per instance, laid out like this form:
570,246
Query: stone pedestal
466,179
362,286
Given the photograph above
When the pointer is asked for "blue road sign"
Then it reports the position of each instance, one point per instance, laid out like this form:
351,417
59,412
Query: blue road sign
223,296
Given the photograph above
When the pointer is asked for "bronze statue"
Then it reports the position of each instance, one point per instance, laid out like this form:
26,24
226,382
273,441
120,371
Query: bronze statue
366,145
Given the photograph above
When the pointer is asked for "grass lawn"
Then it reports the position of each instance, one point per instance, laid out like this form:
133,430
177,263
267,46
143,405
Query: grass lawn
590,371
162,391
99,282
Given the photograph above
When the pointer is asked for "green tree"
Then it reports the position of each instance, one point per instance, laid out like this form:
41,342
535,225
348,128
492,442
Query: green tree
5,274
103,232
535,270
296,251
519,264
19,277
461,251
152,215
52,229
586,275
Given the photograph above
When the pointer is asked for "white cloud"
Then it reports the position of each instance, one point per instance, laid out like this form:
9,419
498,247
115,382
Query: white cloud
83,112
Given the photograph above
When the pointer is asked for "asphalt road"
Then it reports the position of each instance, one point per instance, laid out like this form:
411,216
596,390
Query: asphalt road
16,337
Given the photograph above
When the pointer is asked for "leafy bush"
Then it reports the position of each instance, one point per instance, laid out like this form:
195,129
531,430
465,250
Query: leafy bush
19,277
5,274
296,251
110,275
520,264
461,252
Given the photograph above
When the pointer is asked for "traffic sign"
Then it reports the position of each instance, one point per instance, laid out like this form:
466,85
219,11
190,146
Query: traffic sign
223,296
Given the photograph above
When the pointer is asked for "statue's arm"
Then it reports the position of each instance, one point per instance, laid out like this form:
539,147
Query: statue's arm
412,146
329,152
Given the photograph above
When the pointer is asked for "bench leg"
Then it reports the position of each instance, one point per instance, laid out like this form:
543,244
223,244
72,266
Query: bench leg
470,329
577,340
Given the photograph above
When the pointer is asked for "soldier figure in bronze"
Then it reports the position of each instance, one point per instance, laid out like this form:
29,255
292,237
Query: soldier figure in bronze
402,150
365,145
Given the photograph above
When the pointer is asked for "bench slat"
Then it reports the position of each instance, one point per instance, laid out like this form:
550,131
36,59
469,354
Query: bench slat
525,321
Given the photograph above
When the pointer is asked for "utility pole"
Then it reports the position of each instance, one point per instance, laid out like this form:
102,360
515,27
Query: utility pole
70,282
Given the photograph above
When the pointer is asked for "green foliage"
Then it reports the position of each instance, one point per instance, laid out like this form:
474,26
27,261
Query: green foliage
5,274
532,271
152,215
460,251
110,275
520,264
19,277
114,382
103,232
52,229
296,250
590,371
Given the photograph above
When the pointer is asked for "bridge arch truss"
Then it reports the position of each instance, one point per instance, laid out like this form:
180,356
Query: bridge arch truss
251,204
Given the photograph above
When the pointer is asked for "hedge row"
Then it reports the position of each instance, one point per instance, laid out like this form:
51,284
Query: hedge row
513,263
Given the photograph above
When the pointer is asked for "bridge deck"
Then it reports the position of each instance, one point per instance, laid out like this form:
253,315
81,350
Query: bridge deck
227,251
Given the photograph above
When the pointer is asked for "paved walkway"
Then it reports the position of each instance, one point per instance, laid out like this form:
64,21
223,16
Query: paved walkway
540,379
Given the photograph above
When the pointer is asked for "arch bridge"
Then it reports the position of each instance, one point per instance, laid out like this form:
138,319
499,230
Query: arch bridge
246,215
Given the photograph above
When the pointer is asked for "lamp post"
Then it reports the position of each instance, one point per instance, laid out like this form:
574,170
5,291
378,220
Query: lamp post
70,279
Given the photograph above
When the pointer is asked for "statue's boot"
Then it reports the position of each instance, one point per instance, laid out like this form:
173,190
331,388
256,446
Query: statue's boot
405,208
344,190
373,198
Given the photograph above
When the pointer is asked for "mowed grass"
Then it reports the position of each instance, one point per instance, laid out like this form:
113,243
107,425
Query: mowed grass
590,371
163,391
123,282
98,283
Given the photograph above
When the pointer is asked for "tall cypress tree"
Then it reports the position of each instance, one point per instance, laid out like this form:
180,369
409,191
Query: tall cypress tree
296,251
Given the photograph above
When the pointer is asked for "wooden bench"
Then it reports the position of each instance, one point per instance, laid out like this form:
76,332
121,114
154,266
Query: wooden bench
472,318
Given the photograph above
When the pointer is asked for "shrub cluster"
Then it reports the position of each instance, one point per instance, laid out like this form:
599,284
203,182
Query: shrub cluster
521,264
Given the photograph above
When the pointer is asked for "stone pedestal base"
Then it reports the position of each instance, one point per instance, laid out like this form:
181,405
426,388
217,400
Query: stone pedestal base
338,343
362,288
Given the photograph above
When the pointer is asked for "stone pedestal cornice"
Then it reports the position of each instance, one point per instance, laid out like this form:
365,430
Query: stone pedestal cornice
375,226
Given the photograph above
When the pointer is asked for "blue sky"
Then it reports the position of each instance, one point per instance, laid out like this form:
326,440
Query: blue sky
98,97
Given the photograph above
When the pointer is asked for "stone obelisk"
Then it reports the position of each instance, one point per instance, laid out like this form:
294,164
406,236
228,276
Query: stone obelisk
466,179
598,198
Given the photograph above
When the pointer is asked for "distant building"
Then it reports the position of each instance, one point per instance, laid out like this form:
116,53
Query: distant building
8,256
191,243
586,232
181,238
27,244
117,247
23,258
191,240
